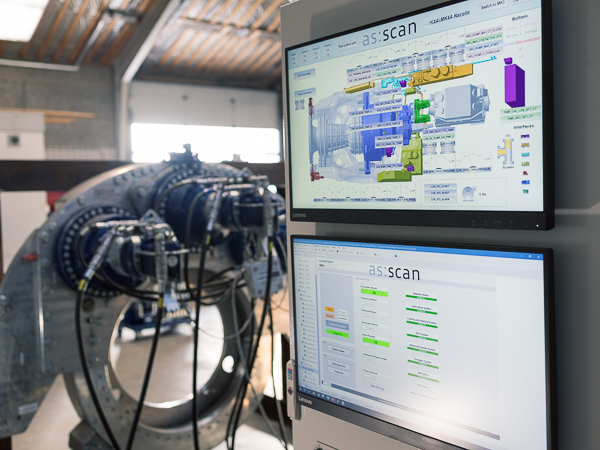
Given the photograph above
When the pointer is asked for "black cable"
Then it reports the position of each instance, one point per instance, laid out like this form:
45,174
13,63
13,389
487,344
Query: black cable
146,382
103,277
236,413
238,341
86,371
148,295
218,274
170,189
203,252
187,233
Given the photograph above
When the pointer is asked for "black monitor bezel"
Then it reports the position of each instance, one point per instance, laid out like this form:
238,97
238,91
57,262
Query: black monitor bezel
518,220
405,435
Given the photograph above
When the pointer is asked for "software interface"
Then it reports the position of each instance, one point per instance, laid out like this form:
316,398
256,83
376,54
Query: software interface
440,110
443,341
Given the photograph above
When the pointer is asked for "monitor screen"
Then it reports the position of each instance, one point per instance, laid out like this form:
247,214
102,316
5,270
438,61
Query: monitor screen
440,117
436,346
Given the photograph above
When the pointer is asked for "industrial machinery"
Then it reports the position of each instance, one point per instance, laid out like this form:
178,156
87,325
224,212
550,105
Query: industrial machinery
134,232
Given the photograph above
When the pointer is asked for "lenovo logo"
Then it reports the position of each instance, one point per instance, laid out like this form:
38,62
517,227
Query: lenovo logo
305,400
299,215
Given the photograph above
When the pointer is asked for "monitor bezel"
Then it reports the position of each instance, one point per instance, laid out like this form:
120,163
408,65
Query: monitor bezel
405,435
499,219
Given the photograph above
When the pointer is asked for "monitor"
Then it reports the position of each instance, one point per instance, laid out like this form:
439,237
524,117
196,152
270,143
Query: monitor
437,346
438,117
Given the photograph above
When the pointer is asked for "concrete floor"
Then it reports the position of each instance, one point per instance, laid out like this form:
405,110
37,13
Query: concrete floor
56,417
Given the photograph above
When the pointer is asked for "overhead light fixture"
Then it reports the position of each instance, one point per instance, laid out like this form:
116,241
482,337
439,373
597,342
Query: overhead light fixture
19,18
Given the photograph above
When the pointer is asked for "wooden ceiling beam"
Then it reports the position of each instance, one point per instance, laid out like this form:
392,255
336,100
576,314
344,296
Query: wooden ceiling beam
226,55
250,48
105,34
222,9
186,47
249,12
117,44
266,66
209,38
124,35
212,37
266,13
172,49
189,8
232,14
100,41
207,6
88,32
70,30
57,20
260,61
222,56
145,5
275,23
255,54
223,42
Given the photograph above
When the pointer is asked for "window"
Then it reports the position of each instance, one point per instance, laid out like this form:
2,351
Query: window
154,142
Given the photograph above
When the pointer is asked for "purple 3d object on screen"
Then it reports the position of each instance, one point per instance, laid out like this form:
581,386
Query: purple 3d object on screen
514,84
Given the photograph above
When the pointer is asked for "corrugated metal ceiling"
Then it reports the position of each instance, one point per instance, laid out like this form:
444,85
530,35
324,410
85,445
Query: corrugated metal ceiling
214,42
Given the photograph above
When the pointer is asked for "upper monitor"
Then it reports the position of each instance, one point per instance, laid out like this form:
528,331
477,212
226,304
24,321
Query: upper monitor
440,117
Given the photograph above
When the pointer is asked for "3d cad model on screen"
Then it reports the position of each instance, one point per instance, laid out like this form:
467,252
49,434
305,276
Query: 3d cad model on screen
444,115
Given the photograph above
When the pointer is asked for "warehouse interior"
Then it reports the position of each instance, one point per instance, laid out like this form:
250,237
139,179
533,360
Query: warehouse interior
75,76
108,107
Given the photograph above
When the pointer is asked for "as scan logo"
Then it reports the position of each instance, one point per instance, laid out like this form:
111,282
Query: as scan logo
305,400
394,272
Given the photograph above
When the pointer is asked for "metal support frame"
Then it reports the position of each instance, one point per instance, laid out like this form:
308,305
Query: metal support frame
203,25
127,64
50,175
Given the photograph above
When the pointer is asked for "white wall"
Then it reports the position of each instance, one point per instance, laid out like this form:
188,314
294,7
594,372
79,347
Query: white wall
20,212
29,128
167,103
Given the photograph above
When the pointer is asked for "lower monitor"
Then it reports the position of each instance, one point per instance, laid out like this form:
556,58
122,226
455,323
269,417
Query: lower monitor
438,346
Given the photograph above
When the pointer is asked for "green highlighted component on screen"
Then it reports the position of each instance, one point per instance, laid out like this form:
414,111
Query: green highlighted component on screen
422,337
422,351
421,324
422,298
373,292
424,378
423,364
376,342
421,311
338,333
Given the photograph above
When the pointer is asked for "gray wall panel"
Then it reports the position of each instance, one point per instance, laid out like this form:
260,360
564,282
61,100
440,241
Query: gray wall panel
574,240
